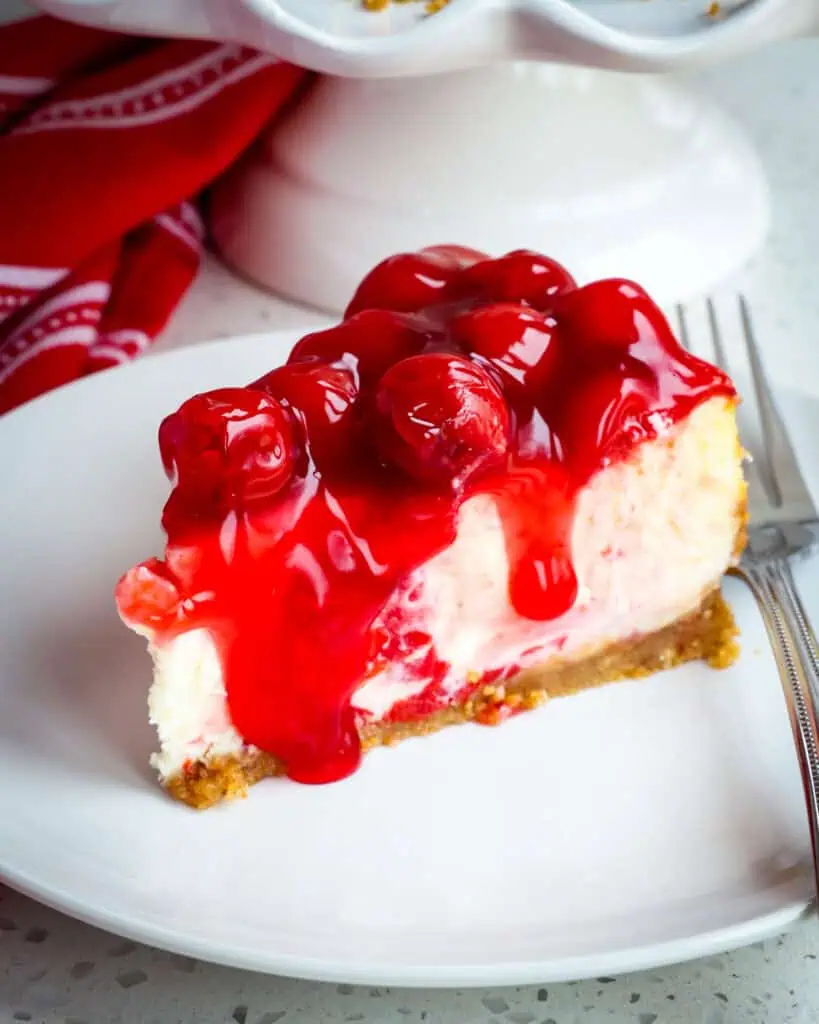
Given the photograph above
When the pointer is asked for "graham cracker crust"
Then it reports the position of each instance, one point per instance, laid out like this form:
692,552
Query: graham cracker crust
709,634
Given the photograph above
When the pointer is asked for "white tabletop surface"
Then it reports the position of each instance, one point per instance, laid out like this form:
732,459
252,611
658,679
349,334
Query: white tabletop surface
56,971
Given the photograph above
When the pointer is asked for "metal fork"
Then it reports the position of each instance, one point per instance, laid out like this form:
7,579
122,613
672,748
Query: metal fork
780,511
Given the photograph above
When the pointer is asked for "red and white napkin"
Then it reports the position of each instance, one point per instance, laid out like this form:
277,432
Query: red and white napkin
105,142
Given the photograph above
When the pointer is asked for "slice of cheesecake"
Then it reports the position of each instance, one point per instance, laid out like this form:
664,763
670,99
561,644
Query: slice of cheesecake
484,487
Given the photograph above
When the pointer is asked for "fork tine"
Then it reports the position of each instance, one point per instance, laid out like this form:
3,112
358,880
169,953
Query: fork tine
782,465
716,336
764,404
759,497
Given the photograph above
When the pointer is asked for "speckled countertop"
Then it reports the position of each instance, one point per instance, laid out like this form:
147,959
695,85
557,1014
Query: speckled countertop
56,971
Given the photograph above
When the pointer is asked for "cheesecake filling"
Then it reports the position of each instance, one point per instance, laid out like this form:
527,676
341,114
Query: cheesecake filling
481,467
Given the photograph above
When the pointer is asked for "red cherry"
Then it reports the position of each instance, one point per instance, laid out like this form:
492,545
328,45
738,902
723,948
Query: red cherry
148,596
190,442
440,417
232,441
517,339
460,255
606,417
261,454
411,280
519,276
369,342
617,314
323,398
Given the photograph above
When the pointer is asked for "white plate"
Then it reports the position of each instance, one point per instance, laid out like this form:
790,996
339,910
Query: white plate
642,823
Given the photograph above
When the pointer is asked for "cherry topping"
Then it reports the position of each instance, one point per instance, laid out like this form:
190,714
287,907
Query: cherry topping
617,314
606,416
543,586
460,255
369,342
323,398
232,442
148,595
440,417
537,501
519,276
411,280
513,337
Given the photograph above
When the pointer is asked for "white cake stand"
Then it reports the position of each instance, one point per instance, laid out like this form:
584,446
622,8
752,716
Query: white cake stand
469,126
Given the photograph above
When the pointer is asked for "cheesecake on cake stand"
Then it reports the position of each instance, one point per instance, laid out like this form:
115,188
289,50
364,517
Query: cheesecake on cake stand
499,125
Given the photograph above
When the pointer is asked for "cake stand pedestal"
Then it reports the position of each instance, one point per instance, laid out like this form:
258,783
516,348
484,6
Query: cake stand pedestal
613,174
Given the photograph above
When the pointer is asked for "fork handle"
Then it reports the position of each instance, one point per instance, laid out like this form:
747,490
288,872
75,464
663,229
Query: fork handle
775,592
801,624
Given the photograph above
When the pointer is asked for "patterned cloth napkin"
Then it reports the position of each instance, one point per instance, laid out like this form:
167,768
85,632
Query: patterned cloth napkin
105,142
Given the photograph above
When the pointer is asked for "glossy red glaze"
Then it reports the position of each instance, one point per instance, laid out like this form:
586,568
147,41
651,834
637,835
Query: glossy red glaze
369,343
233,445
519,276
410,281
440,417
304,502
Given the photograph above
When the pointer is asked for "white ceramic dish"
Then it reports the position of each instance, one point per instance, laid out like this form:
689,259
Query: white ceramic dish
614,175
575,160
639,824
338,38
